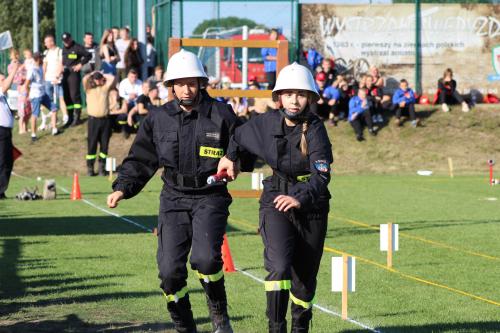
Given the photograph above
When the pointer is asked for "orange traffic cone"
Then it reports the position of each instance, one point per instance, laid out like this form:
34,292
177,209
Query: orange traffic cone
75,191
226,257
16,153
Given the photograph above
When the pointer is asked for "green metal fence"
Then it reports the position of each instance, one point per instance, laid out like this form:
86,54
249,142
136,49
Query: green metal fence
78,17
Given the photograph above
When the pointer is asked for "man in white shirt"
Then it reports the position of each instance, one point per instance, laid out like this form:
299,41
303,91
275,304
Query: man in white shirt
53,71
129,89
122,45
6,124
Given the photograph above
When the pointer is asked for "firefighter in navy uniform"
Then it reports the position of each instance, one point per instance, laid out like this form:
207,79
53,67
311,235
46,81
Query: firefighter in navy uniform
187,137
74,57
295,203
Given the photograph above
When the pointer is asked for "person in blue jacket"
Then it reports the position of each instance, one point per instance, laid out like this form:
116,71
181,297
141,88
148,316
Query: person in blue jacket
359,114
404,100
270,55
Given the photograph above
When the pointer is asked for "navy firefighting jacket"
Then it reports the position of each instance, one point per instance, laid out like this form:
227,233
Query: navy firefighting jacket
158,144
265,136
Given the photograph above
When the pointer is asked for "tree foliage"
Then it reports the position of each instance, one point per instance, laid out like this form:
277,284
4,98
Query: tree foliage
16,16
225,22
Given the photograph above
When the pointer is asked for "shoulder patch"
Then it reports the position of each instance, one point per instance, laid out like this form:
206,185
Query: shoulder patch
322,166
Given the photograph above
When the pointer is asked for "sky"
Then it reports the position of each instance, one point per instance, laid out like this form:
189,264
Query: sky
275,15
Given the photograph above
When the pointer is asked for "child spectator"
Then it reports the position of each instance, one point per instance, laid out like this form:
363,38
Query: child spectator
374,94
23,104
133,59
108,52
327,66
379,82
359,114
321,107
36,88
28,59
404,100
97,86
346,92
448,94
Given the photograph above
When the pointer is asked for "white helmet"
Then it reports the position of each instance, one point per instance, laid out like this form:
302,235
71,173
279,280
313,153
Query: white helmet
184,64
295,76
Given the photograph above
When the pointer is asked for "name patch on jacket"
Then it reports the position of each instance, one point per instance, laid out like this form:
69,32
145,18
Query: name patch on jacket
211,152
322,166
213,135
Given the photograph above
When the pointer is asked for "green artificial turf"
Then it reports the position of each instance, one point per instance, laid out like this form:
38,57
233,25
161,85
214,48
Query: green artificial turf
66,266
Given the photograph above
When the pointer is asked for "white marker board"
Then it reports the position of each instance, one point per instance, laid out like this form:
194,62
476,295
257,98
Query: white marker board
338,274
384,237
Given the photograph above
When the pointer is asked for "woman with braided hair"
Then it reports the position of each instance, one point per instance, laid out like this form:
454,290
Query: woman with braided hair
295,203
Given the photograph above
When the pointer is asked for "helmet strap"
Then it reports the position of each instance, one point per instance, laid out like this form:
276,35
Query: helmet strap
295,116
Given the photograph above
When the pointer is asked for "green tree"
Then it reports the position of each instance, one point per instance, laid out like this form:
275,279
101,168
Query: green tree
225,22
16,16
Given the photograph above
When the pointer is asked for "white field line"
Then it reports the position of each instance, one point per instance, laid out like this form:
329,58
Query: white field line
253,277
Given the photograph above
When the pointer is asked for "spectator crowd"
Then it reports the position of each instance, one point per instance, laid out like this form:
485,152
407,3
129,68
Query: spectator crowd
117,99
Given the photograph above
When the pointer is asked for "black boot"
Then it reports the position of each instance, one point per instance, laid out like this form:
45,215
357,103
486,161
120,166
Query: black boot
277,305
301,318
102,167
279,327
70,119
217,306
76,117
181,315
90,168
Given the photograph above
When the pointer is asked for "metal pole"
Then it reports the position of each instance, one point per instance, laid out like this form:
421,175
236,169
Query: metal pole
244,56
141,34
182,18
218,13
35,26
418,70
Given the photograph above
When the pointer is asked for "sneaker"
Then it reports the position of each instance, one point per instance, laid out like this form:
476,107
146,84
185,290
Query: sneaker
33,138
414,123
55,131
445,107
372,132
465,107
